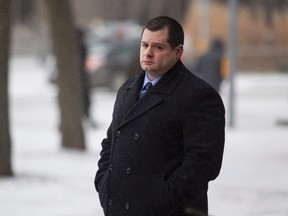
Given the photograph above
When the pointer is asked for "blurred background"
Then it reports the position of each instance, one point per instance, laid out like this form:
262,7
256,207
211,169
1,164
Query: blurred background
63,61
261,42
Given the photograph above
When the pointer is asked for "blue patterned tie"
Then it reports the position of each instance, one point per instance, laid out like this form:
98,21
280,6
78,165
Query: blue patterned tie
146,88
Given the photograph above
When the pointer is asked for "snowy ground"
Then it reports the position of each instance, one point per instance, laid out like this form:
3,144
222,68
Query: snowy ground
50,181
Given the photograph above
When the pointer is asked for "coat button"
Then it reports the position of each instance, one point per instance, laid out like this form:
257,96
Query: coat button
110,202
117,134
136,136
127,206
128,170
111,167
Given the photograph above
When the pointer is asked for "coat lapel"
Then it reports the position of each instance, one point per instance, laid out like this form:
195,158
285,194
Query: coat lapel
141,106
134,107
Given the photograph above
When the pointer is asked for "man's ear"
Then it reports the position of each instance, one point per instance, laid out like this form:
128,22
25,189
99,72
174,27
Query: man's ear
179,50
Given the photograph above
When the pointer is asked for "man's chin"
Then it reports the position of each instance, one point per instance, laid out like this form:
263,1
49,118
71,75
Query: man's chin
147,68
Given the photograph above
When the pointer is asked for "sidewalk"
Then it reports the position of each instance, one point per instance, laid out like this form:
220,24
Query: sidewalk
254,180
53,182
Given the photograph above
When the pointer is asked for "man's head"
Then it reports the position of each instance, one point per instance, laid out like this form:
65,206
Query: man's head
175,30
161,45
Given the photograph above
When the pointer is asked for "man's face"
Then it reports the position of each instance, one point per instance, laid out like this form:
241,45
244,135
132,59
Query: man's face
156,54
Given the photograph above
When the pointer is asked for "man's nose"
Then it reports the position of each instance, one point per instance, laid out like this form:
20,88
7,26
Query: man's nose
149,52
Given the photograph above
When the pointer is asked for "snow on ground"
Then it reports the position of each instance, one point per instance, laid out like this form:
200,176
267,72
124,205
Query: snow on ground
50,181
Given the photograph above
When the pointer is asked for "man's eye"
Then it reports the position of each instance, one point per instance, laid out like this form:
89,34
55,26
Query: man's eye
144,45
159,47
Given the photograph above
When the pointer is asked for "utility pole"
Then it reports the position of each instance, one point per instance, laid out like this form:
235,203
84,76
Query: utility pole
204,19
232,50
203,24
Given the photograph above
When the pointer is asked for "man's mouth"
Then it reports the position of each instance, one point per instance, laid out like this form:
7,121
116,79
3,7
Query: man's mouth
147,62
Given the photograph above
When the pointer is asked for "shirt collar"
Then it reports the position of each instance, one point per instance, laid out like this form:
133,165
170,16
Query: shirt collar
146,80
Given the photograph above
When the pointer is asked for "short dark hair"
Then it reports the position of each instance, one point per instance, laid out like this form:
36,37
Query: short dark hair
175,30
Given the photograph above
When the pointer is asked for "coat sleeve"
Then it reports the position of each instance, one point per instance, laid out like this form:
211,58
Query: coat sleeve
103,163
203,142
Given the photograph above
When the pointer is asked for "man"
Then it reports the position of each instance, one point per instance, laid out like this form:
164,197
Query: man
162,148
209,65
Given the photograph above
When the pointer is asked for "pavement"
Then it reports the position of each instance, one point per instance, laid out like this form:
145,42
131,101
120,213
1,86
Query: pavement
50,181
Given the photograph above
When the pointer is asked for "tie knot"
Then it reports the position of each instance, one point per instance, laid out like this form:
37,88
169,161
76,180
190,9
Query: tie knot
148,86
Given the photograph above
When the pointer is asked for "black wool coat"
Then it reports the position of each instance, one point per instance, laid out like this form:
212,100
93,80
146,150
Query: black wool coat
162,150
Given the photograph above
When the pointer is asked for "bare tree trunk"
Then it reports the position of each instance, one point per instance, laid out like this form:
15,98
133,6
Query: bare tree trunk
67,54
5,141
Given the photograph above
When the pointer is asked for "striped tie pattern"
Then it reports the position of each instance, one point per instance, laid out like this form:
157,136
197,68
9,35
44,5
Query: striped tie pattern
146,88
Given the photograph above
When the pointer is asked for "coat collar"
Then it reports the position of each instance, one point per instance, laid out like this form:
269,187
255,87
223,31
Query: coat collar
170,79
165,85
